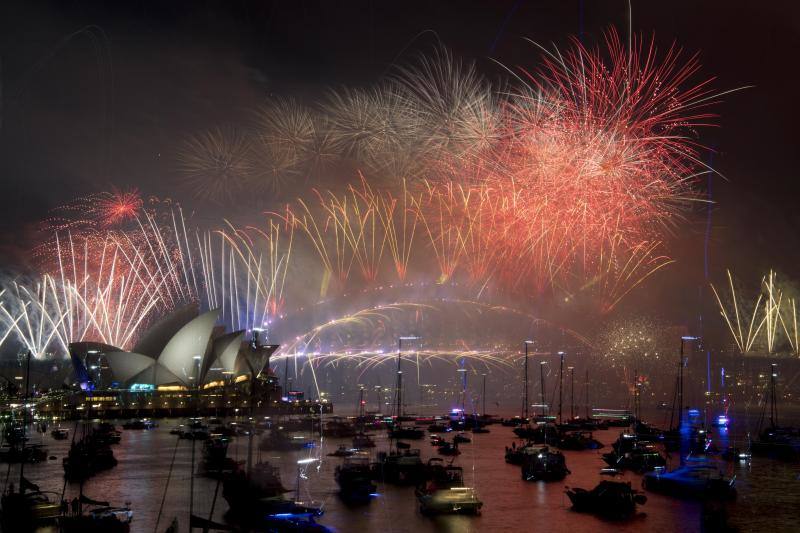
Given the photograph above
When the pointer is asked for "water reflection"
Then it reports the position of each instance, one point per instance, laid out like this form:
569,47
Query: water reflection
769,491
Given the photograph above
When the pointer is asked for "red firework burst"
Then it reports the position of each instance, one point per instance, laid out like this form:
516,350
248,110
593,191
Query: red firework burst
118,206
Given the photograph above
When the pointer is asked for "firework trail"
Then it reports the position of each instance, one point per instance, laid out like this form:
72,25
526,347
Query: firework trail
754,323
245,272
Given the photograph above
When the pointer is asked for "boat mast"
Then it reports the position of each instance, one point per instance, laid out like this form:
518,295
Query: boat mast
541,380
483,395
586,386
525,402
560,387
571,392
773,407
24,419
399,386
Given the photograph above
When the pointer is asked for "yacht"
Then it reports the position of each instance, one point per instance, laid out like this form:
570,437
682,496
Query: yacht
355,479
701,480
609,499
542,464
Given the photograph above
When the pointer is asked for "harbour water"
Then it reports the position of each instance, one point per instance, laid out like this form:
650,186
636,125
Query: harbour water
768,490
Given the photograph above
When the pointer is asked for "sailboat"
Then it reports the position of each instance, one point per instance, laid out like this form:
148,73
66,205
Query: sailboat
782,442
361,440
28,508
444,491
397,431
354,477
100,518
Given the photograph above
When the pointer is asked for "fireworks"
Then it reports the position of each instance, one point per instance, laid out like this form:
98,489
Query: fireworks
119,206
449,332
245,272
768,322
215,163
565,183
638,346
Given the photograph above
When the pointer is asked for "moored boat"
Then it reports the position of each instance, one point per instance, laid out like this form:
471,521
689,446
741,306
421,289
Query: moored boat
362,440
444,492
542,464
398,468
59,433
701,480
609,499
355,479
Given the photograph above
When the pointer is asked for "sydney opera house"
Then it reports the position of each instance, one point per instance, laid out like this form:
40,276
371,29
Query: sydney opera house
184,364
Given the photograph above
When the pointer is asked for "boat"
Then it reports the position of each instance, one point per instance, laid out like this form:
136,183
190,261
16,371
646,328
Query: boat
443,492
15,434
354,477
516,454
780,442
542,464
297,521
614,500
28,509
251,495
587,423
87,457
339,428
701,480
407,433
307,423
144,423
278,440
399,468
342,451
106,433
447,448
195,430
461,438
215,462
480,429
644,431
640,458
733,453
100,519
578,441
437,427
31,453
513,421
545,433
362,440
59,433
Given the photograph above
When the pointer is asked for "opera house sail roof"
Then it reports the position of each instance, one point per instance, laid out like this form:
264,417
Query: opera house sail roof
180,349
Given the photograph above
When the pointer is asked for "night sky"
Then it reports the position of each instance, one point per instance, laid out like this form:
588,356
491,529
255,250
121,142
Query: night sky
109,106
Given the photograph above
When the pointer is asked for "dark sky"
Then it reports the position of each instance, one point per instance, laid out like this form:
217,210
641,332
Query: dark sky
108,106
